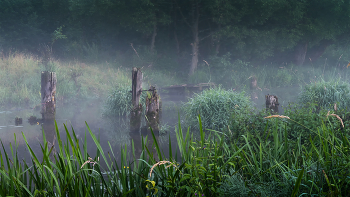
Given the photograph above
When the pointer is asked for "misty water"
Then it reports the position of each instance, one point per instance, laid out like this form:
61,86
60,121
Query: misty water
113,130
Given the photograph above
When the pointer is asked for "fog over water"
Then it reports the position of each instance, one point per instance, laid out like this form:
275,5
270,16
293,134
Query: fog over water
74,115
113,130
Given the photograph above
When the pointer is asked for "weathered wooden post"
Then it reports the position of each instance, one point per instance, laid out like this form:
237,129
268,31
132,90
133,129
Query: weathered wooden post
272,103
136,111
136,86
153,109
50,134
48,92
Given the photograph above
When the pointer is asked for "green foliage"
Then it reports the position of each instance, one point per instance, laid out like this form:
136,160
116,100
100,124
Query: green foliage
20,80
236,185
119,101
57,34
216,106
268,163
91,52
326,94
284,77
248,30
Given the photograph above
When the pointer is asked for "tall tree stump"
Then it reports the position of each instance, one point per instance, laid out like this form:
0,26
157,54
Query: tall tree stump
136,87
48,92
272,103
136,111
152,109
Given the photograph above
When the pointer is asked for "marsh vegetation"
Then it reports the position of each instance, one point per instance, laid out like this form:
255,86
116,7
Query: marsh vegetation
225,144
220,141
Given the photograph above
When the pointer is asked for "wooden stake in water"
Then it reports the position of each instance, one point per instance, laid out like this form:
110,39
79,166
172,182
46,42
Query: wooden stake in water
48,92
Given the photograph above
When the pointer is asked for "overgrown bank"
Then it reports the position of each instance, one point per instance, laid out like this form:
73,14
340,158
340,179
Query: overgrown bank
265,163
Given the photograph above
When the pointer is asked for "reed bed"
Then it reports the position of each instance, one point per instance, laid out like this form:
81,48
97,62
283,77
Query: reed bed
269,164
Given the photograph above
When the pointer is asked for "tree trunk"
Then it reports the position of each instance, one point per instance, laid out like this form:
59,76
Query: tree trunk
217,49
300,52
216,41
195,19
154,34
177,44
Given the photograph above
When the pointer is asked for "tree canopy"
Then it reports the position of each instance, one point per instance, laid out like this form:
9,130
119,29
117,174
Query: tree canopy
249,30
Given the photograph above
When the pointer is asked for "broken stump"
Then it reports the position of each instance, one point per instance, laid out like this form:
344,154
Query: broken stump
272,103
153,109
48,92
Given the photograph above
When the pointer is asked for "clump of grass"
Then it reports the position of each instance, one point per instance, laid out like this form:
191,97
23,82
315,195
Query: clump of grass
325,94
216,106
119,101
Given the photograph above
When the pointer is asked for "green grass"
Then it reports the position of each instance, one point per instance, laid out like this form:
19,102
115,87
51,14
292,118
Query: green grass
326,94
216,105
20,80
268,163
307,154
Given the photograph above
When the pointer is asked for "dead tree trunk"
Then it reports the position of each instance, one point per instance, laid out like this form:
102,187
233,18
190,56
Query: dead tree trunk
272,103
195,43
300,52
48,92
154,34
136,87
136,111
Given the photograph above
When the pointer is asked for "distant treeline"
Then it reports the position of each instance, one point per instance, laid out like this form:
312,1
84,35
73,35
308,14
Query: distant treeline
249,30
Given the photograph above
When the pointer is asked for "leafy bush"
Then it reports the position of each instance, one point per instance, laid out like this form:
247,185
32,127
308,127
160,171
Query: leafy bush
216,107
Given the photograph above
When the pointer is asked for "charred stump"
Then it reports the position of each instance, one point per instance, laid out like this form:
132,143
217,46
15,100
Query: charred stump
272,103
48,92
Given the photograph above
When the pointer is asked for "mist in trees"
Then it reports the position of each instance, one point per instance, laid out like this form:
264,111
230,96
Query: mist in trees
257,31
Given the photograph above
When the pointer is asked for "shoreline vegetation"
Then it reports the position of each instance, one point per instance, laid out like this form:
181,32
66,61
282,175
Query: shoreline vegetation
269,164
236,152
